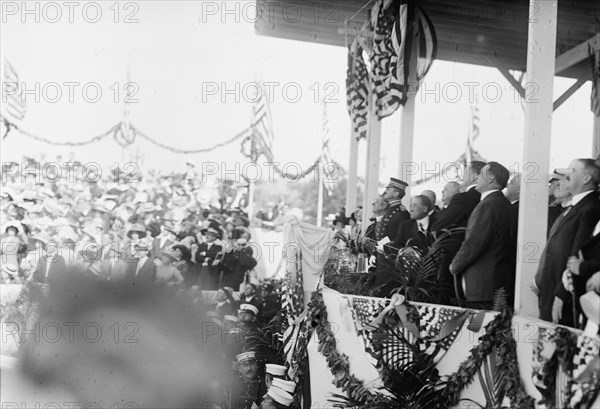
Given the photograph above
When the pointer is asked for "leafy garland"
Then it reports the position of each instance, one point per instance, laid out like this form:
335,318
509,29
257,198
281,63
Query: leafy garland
338,363
498,335
565,346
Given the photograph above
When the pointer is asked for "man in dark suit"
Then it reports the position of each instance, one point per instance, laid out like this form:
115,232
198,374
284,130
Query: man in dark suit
482,265
145,269
572,229
415,232
387,230
462,204
582,267
51,266
561,199
271,304
163,241
206,272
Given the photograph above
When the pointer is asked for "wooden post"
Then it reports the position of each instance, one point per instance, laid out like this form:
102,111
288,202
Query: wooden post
406,166
320,194
351,187
596,134
533,209
373,155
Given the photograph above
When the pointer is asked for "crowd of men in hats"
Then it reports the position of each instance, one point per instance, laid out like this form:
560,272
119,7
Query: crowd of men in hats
482,260
161,228
158,232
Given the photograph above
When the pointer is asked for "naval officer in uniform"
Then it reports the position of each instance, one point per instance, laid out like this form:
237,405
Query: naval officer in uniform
386,231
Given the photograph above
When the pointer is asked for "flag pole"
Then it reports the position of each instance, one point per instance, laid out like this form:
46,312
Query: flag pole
320,194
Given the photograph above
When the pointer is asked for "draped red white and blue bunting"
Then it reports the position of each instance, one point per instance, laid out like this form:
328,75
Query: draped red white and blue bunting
396,26
396,345
357,90
586,376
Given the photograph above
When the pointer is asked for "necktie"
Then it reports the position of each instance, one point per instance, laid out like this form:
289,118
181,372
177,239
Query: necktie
559,220
421,228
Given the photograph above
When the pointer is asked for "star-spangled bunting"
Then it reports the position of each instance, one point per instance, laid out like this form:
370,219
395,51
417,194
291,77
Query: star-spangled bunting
435,332
396,25
365,311
585,377
357,90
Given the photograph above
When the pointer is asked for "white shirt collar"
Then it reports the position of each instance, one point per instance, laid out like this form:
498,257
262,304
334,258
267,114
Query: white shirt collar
514,201
470,187
378,218
424,222
577,198
489,192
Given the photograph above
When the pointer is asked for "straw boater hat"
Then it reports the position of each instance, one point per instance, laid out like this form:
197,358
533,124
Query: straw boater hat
287,386
280,396
245,356
137,228
249,307
397,184
275,370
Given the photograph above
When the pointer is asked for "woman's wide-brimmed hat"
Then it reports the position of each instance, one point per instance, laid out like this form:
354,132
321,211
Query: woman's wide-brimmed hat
137,228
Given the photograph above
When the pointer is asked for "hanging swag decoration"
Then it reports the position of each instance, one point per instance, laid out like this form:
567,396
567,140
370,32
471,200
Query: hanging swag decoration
396,24
357,90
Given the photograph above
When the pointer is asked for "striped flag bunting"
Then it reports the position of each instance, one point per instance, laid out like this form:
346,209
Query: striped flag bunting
595,96
586,378
396,24
364,311
470,152
262,123
357,90
436,330
15,106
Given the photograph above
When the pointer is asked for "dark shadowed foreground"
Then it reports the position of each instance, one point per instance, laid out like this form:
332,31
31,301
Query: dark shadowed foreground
122,345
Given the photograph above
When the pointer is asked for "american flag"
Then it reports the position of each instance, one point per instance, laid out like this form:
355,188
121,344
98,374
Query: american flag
357,90
396,25
439,328
262,124
365,310
15,107
473,131
325,152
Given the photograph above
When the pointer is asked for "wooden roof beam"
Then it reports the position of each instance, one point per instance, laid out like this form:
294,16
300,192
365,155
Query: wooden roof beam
577,54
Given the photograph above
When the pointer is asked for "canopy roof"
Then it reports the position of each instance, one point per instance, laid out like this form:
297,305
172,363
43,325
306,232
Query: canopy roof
482,32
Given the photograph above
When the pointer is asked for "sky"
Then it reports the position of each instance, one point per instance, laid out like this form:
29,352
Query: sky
194,72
